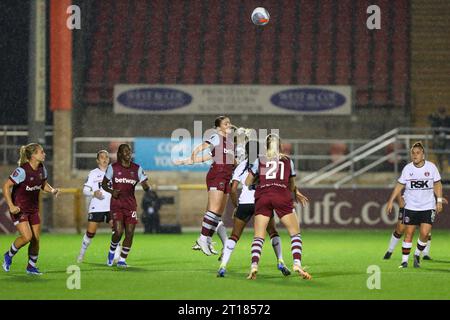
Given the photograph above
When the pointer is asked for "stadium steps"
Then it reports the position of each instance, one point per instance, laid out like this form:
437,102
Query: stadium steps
430,54
343,43
211,42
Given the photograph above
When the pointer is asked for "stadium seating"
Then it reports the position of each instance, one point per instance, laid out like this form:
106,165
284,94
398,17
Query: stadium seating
307,42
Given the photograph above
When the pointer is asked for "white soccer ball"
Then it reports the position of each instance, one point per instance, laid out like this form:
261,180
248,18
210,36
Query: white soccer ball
260,16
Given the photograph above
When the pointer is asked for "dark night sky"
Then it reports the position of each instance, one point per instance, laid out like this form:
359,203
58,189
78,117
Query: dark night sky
14,31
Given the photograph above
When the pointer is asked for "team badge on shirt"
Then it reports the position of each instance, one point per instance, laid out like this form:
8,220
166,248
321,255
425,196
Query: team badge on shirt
15,173
427,174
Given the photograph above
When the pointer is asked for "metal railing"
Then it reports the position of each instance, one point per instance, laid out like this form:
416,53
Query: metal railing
399,138
384,154
84,156
12,137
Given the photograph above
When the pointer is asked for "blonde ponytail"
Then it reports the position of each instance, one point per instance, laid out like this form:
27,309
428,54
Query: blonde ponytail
273,146
26,152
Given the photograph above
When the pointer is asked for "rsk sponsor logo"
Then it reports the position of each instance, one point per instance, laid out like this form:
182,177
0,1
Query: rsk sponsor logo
419,184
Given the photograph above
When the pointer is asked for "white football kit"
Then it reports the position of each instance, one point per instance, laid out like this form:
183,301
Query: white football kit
419,186
92,184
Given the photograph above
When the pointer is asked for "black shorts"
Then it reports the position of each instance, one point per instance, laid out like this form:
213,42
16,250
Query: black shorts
401,212
415,218
99,217
245,211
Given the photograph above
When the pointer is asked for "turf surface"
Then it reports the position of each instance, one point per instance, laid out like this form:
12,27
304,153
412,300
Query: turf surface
165,267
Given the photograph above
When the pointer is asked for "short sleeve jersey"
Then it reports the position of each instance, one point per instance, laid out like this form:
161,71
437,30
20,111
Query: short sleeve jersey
27,185
273,174
125,179
419,186
222,152
94,183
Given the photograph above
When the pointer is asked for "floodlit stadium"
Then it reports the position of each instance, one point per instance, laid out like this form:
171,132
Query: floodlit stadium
348,86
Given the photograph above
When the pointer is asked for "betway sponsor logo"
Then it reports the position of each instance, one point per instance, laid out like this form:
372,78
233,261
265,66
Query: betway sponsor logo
329,212
125,180
226,151
35,188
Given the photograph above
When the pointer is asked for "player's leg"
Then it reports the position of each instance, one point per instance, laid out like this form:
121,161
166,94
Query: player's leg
115,239
221,229
211,219
110,221
276,245
126,244
424,231
33,250
87,239
24,230
396,235
230,244
260,226
426,251
293,227
407,244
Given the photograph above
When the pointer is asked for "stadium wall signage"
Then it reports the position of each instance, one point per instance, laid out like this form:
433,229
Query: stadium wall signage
156,154
349,209
233,99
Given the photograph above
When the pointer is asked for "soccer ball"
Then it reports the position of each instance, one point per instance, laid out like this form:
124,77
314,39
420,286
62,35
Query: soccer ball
260,16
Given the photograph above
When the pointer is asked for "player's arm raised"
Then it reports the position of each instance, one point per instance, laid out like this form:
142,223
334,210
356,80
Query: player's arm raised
194,158
200,148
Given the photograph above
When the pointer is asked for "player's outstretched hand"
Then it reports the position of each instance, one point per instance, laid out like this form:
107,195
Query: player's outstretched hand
181,162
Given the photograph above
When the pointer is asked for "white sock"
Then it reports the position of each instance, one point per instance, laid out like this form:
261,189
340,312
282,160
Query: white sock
276,244
393,242
426,251
85,244
406,245
222,232
117,252
420,245
227,251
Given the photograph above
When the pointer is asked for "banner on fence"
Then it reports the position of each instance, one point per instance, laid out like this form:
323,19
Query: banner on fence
233,99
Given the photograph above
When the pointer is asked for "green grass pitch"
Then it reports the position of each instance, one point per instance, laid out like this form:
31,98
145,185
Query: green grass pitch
165,267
